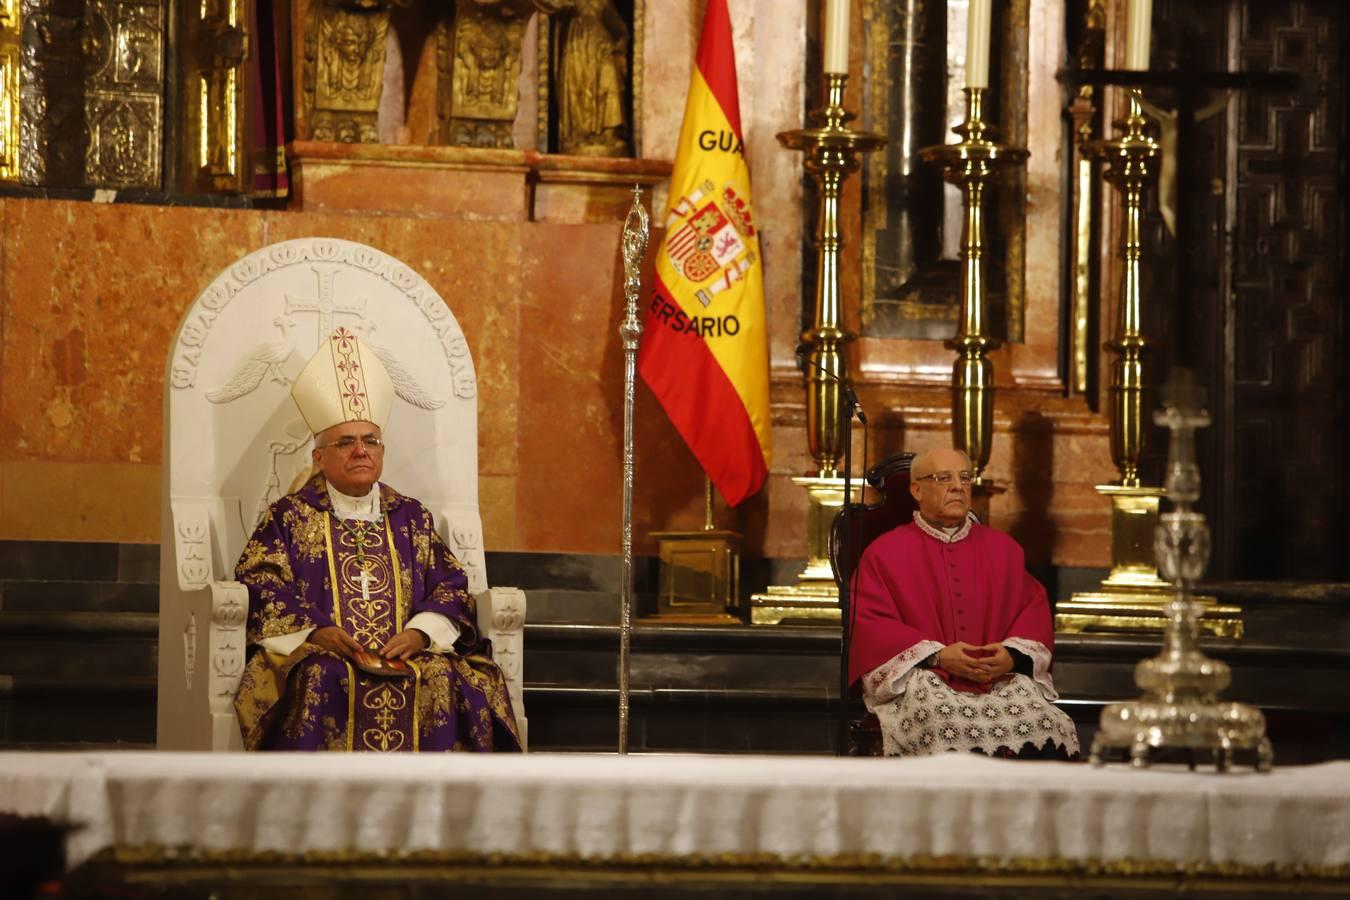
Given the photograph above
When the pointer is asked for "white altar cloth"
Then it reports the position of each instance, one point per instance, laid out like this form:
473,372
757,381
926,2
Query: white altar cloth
584,807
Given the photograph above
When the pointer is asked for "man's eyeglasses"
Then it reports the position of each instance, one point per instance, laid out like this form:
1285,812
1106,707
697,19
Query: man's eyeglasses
348,444
946,478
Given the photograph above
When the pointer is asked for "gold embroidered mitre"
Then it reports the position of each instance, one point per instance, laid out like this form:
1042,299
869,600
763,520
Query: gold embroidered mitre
343,382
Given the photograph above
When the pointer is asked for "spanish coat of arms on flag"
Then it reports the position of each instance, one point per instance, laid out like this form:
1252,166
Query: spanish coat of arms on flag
705,345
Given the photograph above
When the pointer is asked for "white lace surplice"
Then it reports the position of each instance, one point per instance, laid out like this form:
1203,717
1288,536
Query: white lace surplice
929,717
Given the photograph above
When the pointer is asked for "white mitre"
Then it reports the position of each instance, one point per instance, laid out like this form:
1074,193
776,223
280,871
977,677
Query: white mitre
343,382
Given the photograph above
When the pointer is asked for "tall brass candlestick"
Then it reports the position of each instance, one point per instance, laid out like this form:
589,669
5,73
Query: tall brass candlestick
1131,158
831,153
832,150
970,164
1133,597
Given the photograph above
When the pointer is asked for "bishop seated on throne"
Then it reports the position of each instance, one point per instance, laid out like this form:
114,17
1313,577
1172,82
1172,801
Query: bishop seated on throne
362,632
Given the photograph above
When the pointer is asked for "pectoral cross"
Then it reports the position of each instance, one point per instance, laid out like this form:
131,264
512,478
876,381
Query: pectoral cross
364,579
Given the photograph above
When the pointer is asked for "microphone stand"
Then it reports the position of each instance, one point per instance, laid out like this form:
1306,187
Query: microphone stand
847,541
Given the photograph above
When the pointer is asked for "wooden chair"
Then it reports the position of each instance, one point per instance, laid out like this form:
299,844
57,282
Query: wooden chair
234,442
894,507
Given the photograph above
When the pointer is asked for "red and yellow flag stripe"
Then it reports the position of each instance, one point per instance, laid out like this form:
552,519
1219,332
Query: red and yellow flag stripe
705,343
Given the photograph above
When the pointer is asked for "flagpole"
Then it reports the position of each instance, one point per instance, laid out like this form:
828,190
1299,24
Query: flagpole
634,247
708,504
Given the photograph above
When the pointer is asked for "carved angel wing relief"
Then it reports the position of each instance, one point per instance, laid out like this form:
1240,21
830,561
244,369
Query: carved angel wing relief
404,384
249,373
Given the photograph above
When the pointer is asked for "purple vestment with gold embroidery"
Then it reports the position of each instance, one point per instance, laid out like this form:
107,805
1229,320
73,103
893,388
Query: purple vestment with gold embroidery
305,568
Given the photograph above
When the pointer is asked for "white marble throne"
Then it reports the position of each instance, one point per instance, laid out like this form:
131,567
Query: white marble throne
234,442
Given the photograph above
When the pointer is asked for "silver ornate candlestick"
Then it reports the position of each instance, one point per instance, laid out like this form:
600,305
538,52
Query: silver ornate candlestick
1180,708
634,245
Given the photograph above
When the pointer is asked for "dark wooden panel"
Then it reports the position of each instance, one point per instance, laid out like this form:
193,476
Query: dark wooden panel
1285,372
1252,292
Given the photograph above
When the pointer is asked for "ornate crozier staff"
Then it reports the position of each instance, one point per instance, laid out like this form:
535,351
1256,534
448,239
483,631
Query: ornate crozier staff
634,246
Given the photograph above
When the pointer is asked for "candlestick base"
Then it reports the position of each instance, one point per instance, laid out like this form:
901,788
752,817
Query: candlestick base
1133,598
814,597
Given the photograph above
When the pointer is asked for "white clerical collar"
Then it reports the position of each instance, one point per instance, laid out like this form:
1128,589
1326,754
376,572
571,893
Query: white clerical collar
362,509
948,535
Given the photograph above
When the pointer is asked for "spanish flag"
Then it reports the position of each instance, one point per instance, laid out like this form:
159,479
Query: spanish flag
705,347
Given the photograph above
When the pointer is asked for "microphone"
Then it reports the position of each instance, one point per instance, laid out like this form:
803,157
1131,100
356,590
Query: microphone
804,361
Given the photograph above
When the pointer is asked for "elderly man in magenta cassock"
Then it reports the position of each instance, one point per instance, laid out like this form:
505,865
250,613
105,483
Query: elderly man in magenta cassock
362,632
952,638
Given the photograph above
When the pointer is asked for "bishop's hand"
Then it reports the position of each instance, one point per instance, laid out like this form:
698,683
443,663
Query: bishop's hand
333,639
407,643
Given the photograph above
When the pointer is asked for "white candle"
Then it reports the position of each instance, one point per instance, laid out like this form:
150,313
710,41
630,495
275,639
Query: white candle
977,43
1138,24
836,37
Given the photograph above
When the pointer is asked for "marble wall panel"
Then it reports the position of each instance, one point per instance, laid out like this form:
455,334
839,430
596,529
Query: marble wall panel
79,501
1037,358
569,494
92,294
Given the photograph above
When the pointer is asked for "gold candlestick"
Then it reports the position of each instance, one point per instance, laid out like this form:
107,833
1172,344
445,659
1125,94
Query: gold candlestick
1133,597
831,153
970,164
1132,159
831,149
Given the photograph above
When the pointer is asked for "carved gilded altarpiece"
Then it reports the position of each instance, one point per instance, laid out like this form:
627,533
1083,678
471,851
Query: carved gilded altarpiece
215,43
912,93
343,70
9,89
590,77
477,44
90,91
480,73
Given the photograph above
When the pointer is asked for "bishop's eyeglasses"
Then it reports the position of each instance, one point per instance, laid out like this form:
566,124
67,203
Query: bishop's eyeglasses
347,444
945,478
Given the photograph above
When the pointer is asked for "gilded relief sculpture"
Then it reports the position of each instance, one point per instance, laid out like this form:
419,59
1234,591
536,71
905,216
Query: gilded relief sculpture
100,128
9,89
591,71
344,65
483,72
213,46
478,49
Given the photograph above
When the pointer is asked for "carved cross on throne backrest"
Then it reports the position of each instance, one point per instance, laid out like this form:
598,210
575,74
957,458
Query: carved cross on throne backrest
234,440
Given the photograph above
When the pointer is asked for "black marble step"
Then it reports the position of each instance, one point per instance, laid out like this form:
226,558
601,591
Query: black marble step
1278,676
85,646
571,718
801,658
1289,612
78,596
43,710
79,561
